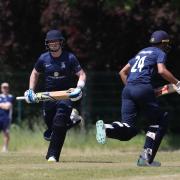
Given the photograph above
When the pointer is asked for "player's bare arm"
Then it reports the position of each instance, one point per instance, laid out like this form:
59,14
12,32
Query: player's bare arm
82,78
6,105
33,79
124,72
166,74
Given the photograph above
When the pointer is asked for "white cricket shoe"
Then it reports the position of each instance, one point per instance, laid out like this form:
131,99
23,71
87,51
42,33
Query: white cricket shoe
52,159
75,118
4,149
100,132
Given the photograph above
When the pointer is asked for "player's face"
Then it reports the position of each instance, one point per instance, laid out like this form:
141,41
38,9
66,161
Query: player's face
55,45
4,89
167,47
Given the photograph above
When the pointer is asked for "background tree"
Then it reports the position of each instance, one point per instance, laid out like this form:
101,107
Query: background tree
104,34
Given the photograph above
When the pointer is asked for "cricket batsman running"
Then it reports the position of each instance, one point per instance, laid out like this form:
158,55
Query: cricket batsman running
138,96
58,67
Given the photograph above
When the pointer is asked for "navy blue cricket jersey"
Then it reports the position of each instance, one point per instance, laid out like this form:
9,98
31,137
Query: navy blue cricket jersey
59,71
144,64
5,114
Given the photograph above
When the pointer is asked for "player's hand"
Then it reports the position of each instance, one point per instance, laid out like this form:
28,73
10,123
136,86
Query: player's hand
30,96
178,87
76,94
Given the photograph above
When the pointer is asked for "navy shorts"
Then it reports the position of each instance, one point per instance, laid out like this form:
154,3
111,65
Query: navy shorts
140,98
4,124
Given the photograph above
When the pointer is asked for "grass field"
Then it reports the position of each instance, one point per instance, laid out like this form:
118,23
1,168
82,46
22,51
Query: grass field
83,159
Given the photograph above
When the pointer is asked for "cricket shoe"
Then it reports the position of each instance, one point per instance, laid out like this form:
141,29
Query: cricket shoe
144,159
144,163
100,132
47,134
52,159
75,119
4,149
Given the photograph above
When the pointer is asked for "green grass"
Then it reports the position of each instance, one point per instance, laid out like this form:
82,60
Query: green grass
83,159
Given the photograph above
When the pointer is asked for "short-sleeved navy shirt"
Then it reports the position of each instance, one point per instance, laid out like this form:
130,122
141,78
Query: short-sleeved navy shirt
143,65
58,72
5,114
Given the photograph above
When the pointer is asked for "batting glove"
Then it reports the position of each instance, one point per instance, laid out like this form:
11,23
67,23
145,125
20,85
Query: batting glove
30,96
76,94
178,87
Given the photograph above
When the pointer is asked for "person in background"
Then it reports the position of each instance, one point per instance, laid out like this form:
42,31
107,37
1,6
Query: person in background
6,106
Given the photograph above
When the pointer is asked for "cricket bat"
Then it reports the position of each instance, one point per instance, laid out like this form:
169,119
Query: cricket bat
50,96
166,89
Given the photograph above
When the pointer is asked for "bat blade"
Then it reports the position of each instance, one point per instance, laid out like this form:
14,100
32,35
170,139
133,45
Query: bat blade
166,89
50,96
54,95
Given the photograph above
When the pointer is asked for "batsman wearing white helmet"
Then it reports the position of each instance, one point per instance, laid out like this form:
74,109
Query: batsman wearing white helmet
58,67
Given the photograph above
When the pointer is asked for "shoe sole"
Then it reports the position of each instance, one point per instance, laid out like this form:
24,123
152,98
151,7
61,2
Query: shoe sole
146,164
100,132
51,160
47,138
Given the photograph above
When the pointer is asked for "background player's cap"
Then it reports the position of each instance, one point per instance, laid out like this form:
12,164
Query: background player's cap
159,37
4,84
54,35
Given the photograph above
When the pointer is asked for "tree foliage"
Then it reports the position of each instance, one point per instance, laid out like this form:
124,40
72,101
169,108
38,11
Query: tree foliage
103,33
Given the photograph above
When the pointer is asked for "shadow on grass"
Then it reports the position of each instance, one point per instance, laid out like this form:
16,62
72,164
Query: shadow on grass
170,166
86,161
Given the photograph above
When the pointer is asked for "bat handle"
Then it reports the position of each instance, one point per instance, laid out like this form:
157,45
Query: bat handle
20,98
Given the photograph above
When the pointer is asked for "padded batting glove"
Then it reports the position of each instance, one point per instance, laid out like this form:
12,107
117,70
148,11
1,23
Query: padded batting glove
30,96
178,87
76,94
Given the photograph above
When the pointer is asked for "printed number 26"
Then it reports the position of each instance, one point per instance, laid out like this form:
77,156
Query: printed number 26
139,64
